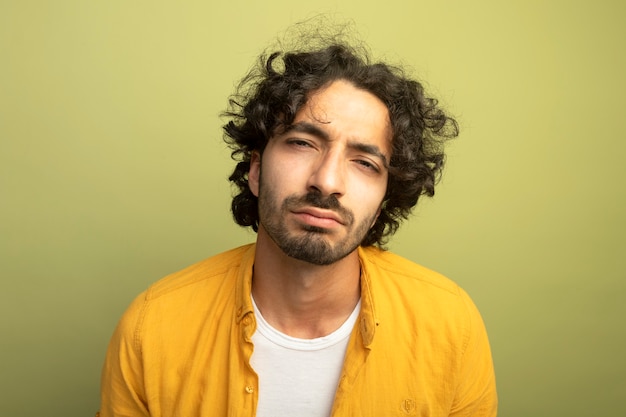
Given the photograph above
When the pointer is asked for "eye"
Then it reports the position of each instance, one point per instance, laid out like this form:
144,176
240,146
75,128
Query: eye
367,165
299,143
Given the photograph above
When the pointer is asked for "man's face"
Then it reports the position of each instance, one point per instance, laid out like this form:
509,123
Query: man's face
321,183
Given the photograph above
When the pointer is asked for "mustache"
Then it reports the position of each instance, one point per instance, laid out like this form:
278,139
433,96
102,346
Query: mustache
316,199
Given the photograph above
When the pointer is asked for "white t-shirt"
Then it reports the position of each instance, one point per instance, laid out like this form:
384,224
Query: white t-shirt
298,377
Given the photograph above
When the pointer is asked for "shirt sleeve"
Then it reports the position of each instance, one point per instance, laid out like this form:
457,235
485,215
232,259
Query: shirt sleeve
122,386
476,394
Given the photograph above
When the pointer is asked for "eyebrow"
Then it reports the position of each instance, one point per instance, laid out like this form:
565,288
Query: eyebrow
312,129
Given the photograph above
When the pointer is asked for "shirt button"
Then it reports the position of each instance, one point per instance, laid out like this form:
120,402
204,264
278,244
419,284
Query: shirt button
249,389
247,320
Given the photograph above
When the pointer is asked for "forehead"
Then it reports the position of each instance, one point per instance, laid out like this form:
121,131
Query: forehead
347,112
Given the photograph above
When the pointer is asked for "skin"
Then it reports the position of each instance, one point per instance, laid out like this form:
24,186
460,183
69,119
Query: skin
337,150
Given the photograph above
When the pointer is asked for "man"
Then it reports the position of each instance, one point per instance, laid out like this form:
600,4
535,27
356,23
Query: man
314,319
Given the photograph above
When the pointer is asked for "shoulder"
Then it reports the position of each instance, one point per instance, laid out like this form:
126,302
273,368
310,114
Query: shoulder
188,296
408,294
399,286
404,272
203,273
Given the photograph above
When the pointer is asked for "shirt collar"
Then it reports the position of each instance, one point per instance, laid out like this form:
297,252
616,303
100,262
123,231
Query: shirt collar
368,320
244,283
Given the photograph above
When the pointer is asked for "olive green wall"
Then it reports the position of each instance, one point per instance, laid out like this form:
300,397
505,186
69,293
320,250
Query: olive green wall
113,174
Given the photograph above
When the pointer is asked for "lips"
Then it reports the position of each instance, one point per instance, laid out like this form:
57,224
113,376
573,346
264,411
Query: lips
319,217
315,210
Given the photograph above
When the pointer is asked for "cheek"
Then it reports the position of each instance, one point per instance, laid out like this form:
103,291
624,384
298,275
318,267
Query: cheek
368,201
286,176
371,191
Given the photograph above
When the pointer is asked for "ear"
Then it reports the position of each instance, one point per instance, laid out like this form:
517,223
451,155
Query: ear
255,173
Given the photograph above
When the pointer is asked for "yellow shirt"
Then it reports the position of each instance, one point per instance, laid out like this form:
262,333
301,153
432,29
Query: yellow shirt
183,347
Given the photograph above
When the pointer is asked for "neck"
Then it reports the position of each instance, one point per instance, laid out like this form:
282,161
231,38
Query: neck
302,299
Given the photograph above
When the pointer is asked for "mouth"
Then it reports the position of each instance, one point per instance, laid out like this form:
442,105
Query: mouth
319,217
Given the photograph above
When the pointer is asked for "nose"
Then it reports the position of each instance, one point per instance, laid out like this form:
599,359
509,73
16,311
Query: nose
328,175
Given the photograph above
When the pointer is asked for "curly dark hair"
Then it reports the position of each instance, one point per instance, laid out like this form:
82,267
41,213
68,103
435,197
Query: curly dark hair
269,97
